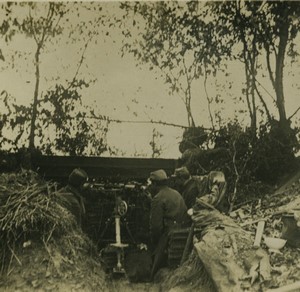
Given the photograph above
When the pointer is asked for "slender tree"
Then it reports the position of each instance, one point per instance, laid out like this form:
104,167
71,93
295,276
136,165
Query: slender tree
58,108
266,29
175,39
41,28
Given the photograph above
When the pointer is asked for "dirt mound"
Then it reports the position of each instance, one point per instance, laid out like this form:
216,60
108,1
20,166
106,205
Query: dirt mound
41,268
191,276
42,247
291,185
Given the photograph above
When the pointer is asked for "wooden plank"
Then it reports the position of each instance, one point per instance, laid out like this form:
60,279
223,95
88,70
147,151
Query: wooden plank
259,233
102,167
287,288
254,221
105,162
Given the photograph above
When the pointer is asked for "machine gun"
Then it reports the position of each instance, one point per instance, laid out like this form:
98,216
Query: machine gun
117,218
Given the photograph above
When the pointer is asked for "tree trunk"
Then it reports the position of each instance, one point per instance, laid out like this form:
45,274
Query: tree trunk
252,90
249,56
35,99
283,40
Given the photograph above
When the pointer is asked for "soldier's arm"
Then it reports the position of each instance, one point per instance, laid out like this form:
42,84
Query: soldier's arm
156,219
190,198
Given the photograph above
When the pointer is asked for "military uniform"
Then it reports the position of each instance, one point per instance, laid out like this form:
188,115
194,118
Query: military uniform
209,188
72,200
70,196
168,212
190,192
212,190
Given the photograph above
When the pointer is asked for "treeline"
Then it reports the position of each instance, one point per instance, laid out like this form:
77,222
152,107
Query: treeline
253,166
192,42
187,44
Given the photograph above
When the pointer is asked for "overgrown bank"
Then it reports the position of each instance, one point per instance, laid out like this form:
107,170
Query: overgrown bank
41,245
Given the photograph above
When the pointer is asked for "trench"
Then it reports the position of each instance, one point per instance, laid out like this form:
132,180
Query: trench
100,226
134,230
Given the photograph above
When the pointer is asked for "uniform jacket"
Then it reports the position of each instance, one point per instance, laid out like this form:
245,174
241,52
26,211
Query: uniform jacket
167,210
212,190
73,201
190,192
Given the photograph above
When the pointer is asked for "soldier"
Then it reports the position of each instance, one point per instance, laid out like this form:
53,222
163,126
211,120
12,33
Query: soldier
186,185
168,212
70,195
207,189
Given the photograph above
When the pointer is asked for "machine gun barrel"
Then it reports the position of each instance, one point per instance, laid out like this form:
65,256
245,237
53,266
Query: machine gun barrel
107,187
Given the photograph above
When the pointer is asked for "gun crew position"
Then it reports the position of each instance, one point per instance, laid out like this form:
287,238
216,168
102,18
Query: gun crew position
142,218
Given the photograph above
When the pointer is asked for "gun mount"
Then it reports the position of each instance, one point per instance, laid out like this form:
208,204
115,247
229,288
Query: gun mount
117,211
101,208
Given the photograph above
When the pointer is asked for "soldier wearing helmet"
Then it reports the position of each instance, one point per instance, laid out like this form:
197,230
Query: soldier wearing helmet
168,212
70,195
208,189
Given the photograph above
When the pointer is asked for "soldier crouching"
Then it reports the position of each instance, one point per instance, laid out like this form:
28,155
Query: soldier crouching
71,197
168,212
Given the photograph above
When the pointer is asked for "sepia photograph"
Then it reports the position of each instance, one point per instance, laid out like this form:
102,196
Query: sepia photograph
150,146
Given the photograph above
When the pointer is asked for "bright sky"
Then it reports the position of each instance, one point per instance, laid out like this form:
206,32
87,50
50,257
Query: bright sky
125,91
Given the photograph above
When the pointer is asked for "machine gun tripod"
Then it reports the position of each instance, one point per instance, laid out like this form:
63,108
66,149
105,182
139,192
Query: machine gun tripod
120,210
118,246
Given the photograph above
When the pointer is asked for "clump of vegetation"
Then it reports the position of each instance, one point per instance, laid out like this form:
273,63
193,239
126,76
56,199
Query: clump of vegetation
251,163
30,211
